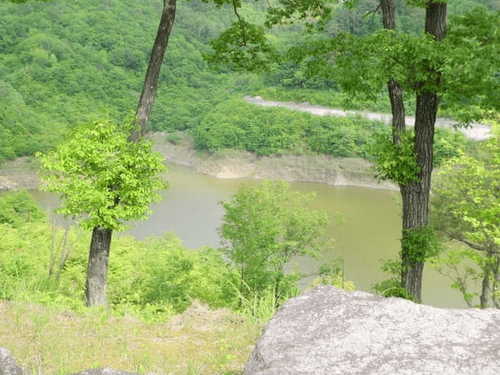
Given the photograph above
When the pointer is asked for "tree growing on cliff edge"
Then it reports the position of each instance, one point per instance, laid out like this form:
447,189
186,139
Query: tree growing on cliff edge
457,67
107,172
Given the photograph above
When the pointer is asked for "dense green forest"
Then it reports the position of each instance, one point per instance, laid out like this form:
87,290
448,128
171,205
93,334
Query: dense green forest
70,76
64,63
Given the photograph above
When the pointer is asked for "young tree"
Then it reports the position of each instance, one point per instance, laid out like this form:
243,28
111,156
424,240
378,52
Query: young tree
105,180
263,228
466,208
112,199
456,67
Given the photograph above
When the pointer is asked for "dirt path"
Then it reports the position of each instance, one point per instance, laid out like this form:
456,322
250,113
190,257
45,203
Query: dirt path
477,132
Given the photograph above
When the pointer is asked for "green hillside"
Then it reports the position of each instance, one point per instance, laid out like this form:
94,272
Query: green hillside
66,62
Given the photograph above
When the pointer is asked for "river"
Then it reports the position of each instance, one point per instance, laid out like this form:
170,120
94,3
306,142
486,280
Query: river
364,223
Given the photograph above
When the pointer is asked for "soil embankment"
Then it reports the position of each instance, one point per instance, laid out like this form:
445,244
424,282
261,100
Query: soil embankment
300,168
22,173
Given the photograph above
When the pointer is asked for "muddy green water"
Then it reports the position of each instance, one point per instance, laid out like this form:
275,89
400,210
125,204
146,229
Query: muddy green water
365,225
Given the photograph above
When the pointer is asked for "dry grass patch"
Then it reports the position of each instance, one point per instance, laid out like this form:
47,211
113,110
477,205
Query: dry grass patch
199,341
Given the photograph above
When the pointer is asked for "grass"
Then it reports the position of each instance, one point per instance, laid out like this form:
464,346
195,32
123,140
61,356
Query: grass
199,341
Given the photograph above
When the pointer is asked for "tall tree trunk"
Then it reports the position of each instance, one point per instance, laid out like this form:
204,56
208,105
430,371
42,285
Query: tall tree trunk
396,96
394,89
101,237
97,268
484,298
150,86
416,205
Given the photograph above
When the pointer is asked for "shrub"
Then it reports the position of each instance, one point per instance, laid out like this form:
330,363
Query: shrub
19,207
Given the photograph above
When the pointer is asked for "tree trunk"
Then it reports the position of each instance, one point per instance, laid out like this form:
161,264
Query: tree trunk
394,89
416,203
396,95
97,268
150,86
484,298
489,285
496,282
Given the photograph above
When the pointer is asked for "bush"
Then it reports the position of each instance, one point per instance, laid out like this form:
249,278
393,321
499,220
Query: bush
264,226
150,279
174,138
239,125
17,208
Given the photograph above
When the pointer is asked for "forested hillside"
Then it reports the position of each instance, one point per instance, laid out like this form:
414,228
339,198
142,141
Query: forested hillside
65,62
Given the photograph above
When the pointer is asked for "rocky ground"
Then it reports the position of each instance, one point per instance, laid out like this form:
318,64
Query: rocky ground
18,174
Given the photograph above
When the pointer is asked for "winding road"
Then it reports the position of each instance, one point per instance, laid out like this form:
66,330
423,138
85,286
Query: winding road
475,131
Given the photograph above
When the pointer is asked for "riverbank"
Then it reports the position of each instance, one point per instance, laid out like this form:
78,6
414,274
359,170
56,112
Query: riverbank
22,173
233,164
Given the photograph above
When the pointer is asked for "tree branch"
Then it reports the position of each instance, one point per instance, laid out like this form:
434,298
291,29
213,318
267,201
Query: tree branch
471,244
240,21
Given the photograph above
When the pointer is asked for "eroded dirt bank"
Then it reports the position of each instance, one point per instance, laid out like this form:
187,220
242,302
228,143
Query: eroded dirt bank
241,164
22,173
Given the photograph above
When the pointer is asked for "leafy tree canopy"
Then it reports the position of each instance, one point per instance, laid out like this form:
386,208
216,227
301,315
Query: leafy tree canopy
467,59
466,197
102,177
263,227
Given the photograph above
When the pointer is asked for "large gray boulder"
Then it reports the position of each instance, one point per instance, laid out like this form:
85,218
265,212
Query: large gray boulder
8,365
330,331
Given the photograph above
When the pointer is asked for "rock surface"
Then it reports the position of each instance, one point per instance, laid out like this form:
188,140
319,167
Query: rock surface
330,331
8,365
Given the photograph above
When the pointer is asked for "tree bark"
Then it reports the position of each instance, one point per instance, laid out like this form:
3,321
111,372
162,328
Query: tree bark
496,282
484,298
150,86
393,87
491,278
97,268
416,204
396,96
